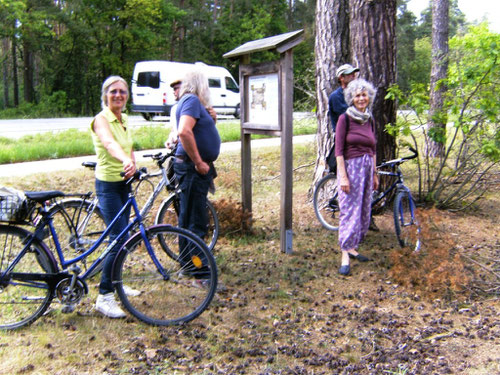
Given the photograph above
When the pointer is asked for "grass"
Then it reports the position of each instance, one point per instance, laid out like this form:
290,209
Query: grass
281,314
72,142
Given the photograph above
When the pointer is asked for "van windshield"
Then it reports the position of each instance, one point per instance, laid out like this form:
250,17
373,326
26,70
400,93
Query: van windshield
149,79
231,85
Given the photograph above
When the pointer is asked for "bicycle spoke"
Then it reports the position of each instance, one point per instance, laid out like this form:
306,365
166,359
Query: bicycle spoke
325,202
170,294
24,296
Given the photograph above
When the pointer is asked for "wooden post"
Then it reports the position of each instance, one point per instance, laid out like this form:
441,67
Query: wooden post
286,72
246,151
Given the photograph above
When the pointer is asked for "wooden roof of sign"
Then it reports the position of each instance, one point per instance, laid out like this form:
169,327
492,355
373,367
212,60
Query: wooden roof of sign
281,43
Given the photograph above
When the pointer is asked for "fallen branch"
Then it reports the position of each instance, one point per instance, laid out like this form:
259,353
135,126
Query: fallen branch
482,266
295,169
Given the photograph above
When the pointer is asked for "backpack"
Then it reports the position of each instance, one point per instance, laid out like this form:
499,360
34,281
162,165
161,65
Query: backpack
331,160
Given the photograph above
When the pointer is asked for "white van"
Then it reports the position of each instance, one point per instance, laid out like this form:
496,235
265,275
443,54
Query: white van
152,94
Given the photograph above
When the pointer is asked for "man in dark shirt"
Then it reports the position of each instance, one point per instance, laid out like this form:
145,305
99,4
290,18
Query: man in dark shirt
336,102
198,147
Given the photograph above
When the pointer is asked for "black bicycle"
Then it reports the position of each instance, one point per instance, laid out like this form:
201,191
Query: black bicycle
406,225
172,291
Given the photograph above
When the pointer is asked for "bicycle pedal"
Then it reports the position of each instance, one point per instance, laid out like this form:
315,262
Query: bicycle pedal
67,309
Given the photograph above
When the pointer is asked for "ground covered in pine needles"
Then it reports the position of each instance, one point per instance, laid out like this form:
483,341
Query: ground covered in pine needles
436,312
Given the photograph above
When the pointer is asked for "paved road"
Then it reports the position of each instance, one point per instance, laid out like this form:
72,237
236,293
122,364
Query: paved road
20,127
24,169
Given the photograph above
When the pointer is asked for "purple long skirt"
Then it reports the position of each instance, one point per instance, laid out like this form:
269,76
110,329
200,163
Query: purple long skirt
355,207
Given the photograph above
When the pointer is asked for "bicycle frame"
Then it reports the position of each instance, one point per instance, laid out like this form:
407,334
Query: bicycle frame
396,184
47,221
156,191
399,185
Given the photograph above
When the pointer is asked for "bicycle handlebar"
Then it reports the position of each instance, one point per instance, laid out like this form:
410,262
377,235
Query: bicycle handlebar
394,162
138,175
160,158
415,154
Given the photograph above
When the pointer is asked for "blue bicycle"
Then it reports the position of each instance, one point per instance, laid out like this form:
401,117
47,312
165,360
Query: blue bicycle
173,290
406,224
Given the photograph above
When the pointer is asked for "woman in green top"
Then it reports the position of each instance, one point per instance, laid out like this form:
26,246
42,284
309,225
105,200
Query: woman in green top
113,146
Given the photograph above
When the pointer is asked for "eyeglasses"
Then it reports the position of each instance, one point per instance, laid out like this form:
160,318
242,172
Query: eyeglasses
121,92
177,87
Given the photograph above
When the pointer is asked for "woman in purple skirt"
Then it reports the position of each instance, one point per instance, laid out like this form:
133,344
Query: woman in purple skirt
355,146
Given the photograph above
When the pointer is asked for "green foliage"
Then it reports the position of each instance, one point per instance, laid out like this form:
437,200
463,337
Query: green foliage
473,141
414,43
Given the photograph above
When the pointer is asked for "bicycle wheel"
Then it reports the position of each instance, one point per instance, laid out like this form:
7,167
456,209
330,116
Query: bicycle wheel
325,201
406,224
168,213
23,299
171,291
78,223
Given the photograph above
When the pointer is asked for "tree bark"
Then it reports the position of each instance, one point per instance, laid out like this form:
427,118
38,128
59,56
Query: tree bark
331,50
439,69
5,71
373,41
15,83
28,73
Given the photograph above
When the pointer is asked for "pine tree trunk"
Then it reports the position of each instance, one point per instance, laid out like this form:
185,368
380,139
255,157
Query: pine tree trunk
15,83
373,41
439,69
5,72
331,50
28,73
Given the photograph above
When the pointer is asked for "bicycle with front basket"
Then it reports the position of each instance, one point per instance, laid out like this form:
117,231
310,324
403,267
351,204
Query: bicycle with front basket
79,221
172,290
406,225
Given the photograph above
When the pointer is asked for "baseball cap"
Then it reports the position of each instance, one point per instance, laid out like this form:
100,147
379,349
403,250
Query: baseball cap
346,69
175,82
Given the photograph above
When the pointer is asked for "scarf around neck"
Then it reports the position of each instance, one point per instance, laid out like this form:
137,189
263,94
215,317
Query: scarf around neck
358,116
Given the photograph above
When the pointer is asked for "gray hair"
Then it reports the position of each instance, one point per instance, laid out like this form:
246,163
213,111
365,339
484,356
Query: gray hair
105,88
356,86
195,82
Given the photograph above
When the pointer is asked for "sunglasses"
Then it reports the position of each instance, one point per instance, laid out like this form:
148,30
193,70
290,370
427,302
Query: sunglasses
121,92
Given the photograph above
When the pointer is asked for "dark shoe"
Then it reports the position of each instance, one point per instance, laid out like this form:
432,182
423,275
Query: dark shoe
345,270
359,257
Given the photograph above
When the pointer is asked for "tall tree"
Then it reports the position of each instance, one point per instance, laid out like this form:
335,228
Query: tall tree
406,35
373,41
331,49
10,12
439,67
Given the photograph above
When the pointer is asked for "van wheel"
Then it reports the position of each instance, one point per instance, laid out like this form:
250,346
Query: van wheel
147,116
237,112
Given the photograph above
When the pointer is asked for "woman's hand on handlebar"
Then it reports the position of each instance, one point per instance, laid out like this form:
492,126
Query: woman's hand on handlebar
129,168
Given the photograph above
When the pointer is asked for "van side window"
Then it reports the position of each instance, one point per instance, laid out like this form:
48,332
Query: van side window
149,79
214,82
231,85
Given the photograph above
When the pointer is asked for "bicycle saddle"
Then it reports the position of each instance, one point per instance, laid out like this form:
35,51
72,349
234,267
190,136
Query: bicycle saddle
42,196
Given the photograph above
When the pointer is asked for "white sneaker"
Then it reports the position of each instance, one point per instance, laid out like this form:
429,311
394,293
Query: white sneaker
107,305
131,292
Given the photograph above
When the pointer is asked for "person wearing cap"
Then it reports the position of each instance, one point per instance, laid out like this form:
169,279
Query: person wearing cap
336,102
198,148
172,137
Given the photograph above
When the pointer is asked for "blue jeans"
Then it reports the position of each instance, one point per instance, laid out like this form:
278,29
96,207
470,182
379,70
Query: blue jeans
112,197
193,209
